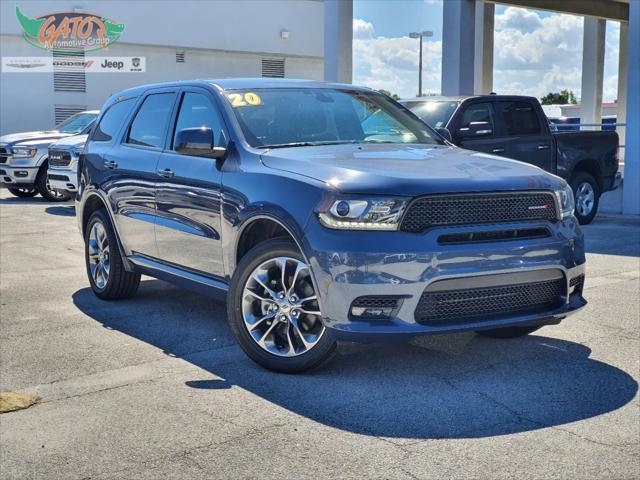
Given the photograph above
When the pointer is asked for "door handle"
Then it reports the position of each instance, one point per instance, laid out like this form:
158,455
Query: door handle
543,147
498,150
110,164
166,173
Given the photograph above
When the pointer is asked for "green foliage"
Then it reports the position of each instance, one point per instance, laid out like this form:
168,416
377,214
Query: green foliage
395,96
559,98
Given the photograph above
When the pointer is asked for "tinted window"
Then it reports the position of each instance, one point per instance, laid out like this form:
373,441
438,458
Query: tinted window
436,114
150,124
283,117
520,118
197,110
112,120
479,112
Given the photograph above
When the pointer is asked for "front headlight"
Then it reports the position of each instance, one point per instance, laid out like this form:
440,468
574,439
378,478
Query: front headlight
566,201
23,152
361,213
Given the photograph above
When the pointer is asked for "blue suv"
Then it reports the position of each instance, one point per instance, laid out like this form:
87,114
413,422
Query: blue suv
321,212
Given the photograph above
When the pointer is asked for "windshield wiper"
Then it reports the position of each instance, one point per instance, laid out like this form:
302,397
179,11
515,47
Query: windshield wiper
307,144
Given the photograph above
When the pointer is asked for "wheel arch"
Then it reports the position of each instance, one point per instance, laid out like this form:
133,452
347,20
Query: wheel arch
590,166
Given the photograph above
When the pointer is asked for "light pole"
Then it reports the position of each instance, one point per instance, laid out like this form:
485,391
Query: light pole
419,35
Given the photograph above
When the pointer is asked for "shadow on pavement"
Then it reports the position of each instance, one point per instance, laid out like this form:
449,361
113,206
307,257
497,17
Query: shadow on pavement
67,211
22,201
452,386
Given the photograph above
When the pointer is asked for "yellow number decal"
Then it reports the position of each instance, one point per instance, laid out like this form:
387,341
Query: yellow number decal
252,98
236,100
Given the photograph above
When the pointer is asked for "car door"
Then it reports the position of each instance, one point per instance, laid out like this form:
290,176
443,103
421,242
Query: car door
188,194
490,139
528,139
132,193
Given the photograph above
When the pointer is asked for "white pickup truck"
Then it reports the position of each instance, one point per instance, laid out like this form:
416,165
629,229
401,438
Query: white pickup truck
24,157
63,164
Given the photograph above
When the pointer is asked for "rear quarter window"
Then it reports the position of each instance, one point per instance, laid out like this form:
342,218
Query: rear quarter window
112,120
520,118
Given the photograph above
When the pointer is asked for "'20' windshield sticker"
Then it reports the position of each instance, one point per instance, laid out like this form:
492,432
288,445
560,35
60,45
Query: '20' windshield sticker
247,99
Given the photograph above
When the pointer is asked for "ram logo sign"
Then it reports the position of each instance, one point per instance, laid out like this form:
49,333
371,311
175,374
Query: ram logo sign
69,31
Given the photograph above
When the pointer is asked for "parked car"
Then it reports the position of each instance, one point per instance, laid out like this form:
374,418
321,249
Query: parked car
63,163
516,127
321,212
24,157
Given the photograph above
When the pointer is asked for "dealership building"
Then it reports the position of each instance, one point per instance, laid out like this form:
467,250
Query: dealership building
173,39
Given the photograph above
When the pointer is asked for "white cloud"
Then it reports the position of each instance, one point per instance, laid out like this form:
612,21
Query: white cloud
392,63
362,29
519,19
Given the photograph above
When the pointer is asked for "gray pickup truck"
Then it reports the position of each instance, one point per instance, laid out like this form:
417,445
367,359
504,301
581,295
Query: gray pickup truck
516,127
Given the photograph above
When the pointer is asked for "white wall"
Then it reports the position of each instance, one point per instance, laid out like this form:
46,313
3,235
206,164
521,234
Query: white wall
227,47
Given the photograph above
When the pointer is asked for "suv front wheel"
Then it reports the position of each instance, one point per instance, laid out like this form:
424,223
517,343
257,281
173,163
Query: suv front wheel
108,278
273,309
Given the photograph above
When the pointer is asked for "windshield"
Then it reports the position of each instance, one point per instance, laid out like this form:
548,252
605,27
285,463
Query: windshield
435,114
285,117
76,123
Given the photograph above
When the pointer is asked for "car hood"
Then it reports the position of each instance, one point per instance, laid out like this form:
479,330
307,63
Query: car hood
69,142
32,137
408,169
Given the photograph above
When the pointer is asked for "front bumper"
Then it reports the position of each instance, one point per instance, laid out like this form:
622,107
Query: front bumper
17,177
63,179
349,265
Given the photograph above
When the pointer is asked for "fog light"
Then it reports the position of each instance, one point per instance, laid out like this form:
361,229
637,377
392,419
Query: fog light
21,173
375,307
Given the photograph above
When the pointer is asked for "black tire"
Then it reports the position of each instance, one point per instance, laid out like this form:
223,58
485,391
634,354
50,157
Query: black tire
23,192
508,332
119,284
320,353
42,185
583,178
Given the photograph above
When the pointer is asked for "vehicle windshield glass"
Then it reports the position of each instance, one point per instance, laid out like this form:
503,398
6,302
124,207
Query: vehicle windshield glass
435,113
76,123
285,117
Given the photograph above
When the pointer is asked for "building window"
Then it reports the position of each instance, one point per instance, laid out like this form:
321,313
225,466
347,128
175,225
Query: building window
180,56
273,68
62,112
69,73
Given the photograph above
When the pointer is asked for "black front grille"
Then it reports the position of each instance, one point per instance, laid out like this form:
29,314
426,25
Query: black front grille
4,155
374,302
488,303
470,209
62,178
58,158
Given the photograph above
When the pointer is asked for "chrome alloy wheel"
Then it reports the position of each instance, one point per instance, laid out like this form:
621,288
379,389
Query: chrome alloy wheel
99,255
585,199
280,307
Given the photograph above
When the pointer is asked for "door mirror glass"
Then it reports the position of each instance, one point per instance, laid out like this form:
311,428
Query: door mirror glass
197,142
444,133
475,129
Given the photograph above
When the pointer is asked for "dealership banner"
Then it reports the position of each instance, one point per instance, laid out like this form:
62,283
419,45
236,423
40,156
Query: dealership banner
73,63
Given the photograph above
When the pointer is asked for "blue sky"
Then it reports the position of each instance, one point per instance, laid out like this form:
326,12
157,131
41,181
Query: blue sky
535,51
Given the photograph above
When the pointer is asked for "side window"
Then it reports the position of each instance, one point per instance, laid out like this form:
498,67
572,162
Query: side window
478,112
112,120
197,110
520,118
150,124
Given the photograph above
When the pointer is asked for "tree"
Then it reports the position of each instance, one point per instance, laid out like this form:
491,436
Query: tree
395,96
559,98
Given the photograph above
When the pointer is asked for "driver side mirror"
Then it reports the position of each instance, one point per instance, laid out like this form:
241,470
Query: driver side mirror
197,142
475,129
444,133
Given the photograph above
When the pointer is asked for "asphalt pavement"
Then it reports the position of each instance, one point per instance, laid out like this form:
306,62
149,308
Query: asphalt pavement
155,386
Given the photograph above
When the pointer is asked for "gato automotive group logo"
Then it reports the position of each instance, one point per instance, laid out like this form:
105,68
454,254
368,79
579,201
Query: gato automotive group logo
69,31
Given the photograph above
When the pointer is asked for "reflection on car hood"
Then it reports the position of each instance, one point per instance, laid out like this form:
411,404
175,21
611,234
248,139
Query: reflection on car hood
69,142
408,169
32,137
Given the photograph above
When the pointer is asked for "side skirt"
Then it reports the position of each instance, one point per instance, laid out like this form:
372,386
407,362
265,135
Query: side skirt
178,276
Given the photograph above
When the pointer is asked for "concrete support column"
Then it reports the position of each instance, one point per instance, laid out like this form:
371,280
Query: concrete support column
338,39
483,64
592,71
621,116
458,47
631,194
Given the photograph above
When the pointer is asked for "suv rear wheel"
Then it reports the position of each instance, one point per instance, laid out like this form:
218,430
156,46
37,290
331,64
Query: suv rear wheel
107,276
273,309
